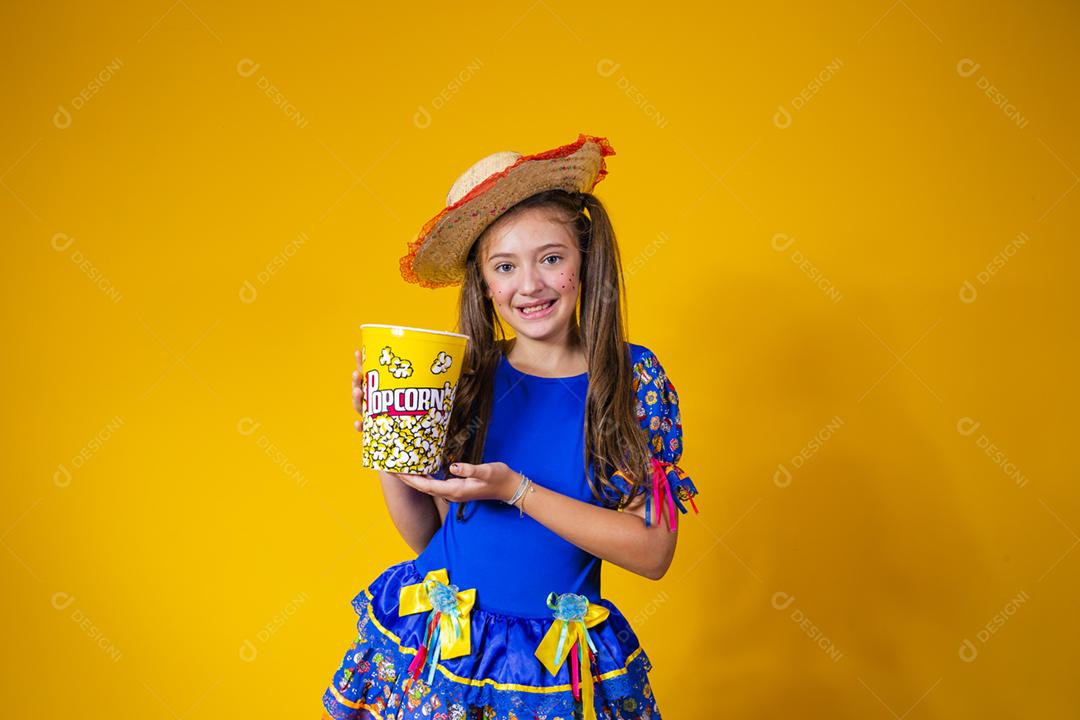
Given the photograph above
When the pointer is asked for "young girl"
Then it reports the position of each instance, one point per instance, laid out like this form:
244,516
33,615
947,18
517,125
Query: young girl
562,451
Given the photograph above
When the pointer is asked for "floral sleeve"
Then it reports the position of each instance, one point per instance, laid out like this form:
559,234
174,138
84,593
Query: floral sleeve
669,488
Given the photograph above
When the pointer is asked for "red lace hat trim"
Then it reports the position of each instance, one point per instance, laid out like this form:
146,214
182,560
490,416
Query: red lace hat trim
406,262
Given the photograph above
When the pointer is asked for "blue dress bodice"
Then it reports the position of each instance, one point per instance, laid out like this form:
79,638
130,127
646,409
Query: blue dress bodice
537,428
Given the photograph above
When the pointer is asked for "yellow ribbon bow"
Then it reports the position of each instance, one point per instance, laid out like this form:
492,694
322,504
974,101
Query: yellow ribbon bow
574,614
447,628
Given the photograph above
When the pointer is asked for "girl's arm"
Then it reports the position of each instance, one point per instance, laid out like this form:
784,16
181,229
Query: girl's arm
618,537
414,513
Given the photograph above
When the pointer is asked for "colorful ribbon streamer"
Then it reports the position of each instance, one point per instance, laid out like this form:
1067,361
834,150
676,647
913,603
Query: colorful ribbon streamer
671,487
447,628
574,615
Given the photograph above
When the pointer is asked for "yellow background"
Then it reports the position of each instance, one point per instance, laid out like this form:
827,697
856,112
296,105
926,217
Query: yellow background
184,518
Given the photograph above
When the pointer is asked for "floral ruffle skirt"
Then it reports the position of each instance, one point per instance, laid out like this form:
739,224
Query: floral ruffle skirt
501,677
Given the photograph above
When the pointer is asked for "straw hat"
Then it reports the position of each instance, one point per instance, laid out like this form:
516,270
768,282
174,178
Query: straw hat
485,191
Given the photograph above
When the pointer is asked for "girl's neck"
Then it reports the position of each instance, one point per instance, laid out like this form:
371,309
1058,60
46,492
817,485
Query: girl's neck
552,359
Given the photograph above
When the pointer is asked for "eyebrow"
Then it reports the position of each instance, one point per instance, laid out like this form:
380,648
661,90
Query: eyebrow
542,247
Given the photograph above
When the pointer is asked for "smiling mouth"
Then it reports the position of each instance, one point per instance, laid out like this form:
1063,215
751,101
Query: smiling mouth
536,310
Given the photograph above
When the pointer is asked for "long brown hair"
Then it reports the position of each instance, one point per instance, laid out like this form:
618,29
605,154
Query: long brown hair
614,439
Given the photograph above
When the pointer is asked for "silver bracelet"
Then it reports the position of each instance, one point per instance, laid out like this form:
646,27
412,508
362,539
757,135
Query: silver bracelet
521,508
520,491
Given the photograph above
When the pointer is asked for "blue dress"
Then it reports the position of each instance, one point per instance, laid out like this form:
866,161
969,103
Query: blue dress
500,618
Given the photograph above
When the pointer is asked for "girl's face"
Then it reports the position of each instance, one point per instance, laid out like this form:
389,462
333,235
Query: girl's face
533,260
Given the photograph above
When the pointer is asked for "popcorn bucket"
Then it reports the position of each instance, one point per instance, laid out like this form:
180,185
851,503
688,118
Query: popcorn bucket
410,376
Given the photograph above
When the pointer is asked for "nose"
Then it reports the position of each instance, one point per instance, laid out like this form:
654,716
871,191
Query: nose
531,281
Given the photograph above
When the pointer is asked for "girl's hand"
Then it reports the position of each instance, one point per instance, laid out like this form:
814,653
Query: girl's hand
403,478
486,481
